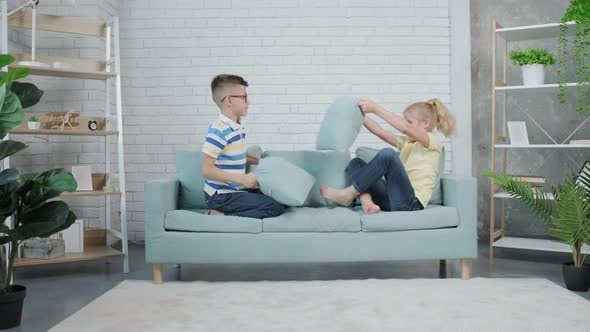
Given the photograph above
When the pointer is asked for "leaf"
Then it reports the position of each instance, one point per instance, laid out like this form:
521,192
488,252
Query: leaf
10,147
15,74
8,203
2,93
6,59
11,114
58,179
48,219
9,175
27,93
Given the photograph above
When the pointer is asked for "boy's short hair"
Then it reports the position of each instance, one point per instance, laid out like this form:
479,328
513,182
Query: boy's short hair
220,82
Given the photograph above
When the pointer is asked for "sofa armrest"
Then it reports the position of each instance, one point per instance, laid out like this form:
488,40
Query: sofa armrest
161,196
461,192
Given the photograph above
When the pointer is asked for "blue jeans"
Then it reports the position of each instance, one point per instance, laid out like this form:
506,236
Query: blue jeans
395,193
250,203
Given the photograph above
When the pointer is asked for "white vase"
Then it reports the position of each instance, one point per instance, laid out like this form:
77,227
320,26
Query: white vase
533,74
34,125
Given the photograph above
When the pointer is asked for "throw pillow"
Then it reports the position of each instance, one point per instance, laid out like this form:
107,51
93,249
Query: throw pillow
283,181
341,125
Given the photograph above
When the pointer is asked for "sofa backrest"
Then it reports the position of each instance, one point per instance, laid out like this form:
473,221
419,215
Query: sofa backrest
191,183
328,168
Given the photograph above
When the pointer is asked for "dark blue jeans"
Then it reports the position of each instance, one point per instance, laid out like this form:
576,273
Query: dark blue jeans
251,203
395,193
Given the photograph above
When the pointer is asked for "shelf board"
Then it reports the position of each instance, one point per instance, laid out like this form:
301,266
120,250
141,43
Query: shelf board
79,68
77,25
90,193
539,31
542,146
534,244
90,253
507,195
24,131
517,88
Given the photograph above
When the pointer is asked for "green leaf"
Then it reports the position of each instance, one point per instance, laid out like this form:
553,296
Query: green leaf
8,203
15,74
27,93
9,175
2,93
57,179
11,114
10,147
6,59
43,221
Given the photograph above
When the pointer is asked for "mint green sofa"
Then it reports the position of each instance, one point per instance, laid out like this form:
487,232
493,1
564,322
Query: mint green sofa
177,230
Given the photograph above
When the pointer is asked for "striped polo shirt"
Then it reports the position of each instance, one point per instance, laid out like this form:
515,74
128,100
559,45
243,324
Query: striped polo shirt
226,142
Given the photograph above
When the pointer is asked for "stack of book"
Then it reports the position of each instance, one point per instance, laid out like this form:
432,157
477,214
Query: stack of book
535,181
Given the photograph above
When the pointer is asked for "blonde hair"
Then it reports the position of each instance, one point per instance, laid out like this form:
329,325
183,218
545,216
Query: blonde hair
436,112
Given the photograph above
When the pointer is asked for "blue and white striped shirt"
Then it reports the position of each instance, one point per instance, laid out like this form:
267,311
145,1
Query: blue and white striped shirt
226,142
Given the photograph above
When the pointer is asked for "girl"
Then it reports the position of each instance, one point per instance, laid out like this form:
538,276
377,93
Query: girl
409,177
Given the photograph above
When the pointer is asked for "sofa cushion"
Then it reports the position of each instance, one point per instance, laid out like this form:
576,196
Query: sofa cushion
308,219
434,216
197,221
367,154
283,181
341,125
255,150
328,168
191,183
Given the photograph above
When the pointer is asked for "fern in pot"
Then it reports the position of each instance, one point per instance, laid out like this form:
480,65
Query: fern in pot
568,216
532,62
23,197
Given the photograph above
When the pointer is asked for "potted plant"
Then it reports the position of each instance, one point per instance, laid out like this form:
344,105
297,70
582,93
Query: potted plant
568,217
23,197
578,12
33,123
532,62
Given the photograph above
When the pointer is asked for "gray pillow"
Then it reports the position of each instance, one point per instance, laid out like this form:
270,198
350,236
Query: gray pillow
283,181
341,125
366,154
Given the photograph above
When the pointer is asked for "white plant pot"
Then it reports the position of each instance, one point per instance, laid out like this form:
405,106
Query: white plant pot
34,125
533,74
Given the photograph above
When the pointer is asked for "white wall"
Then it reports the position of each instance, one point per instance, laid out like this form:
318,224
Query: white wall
298,55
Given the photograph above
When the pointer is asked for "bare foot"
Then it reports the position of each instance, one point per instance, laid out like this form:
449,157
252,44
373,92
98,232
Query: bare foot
214,213
369,207
339,196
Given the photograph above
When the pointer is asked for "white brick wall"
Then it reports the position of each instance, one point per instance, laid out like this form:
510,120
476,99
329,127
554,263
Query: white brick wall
298,55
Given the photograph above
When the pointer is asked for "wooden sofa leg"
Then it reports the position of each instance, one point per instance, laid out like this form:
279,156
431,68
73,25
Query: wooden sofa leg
465,268
157,267
442,269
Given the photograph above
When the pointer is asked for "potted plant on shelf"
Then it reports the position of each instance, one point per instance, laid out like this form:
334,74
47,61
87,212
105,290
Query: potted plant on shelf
532,62
33,123
578,12
23,197
568,216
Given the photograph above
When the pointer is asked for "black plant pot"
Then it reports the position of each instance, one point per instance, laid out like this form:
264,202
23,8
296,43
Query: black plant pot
11,306
576,278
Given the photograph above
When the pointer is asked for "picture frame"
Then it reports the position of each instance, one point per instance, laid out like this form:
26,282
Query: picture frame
82,175
517,133
74,237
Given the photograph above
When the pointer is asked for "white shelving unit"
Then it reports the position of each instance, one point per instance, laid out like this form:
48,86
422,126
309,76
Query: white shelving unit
500,89
94,69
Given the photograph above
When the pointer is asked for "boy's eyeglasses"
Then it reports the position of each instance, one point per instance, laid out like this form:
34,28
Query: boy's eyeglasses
244,97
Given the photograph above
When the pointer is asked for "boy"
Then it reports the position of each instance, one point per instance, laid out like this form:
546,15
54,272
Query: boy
228,189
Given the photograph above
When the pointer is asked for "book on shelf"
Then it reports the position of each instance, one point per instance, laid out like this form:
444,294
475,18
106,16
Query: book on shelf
580,141
535,181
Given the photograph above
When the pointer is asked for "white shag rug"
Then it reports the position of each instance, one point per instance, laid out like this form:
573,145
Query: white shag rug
478,304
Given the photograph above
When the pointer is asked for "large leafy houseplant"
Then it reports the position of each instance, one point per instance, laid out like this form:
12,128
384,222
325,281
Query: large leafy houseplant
578,11
24,197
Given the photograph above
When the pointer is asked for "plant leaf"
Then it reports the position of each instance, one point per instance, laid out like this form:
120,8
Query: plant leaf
27,93
10,147
9,175
6,59
11,114
15,74
43,221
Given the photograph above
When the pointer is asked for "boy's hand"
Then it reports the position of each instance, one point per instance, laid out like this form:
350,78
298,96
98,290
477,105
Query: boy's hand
249,180
368,106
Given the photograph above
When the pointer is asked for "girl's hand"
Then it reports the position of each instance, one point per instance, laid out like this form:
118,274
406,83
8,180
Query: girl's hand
368,106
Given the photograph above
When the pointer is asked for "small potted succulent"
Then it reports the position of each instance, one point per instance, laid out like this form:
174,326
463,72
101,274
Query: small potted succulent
33,123
532,62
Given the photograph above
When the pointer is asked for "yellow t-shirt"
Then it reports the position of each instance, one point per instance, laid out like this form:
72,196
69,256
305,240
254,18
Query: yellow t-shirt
421,164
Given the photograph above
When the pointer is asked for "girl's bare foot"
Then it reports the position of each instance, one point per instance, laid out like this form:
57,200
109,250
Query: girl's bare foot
214,213
369,207
343,197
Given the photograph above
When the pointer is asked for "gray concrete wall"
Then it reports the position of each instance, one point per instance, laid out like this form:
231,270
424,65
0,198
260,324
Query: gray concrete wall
557,120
